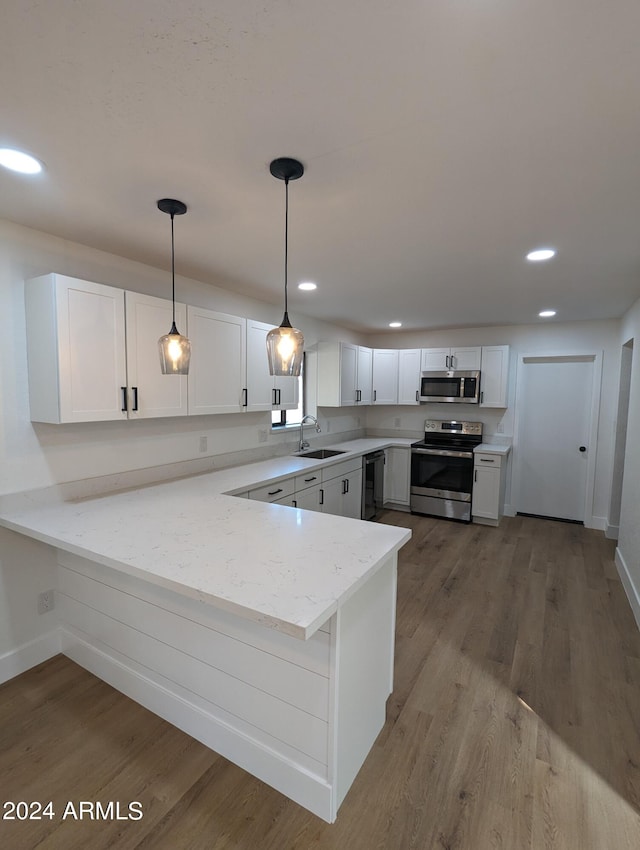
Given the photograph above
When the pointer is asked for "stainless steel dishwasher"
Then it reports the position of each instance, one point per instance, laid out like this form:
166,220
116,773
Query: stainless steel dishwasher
372,483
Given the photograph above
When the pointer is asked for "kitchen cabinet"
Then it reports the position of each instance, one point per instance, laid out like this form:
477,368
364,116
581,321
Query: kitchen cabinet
342,489
489,477
445,359
275,492
409,360
385,376
344,374
93,352
309,499
265,391
397,472
217,372
494,376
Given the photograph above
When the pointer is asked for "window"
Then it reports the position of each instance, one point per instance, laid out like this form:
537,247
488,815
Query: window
280,418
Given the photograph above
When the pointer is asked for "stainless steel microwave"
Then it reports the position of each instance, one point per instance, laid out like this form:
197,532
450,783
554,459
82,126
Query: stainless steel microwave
456,387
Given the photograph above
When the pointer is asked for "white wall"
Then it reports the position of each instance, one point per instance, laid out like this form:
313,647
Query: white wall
548,338
628,552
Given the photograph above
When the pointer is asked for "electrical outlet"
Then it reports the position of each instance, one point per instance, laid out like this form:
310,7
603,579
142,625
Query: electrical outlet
203,444
46,602
500,428
262,435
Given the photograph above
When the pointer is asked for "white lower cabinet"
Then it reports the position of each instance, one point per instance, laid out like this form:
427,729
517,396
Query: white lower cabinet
489,477
309,499
397,472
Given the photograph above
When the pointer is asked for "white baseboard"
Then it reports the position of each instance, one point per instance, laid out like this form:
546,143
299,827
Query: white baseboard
308,790
627,582
597,522
26,656
612,532
509,510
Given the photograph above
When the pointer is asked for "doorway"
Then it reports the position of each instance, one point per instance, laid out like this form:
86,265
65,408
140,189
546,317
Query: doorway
557,404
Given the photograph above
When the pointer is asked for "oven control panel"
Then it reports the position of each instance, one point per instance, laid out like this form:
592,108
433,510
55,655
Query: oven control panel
452,426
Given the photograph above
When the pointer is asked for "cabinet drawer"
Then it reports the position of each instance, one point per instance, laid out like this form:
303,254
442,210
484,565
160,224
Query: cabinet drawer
308,479
486,459
273,492
341,470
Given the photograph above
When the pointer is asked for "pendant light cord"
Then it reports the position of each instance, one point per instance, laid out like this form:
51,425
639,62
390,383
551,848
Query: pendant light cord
173,276
286,243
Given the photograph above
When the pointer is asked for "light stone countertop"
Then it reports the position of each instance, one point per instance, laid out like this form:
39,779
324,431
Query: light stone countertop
494,448
282,567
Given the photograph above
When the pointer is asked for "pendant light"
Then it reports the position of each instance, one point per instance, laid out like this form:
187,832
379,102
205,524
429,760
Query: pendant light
285,344
175,349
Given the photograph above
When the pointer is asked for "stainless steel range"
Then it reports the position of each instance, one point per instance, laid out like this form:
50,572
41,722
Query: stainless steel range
442,469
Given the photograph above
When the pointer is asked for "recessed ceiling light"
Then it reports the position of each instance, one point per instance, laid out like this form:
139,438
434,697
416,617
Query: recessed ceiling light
19,161
395,324
540,254
546,314
307,285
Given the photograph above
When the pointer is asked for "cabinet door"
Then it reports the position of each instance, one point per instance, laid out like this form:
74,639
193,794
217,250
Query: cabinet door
486,492
309,498
75,350
287,395
385,376
364,375
260,383
409,375
152,394
494,376
435,359
465,359
331,496
397,472
352,496
218,361
348,373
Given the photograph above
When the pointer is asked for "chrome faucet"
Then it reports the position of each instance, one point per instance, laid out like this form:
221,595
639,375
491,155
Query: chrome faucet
303,443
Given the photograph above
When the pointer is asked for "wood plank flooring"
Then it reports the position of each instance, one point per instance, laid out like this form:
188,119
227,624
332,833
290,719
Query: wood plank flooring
514,722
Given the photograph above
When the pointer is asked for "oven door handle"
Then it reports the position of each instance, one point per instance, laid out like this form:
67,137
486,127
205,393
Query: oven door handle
441,452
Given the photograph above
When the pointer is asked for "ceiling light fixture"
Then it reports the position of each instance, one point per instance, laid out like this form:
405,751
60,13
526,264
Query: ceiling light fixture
19,161
395,324
285,344
307,286
175,349
540,254
546,314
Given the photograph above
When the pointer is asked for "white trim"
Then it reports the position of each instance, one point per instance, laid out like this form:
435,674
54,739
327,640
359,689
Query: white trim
29,654
612,532
596,389
629,587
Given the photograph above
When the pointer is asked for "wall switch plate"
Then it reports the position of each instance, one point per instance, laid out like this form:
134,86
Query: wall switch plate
500,428
46,602
203,444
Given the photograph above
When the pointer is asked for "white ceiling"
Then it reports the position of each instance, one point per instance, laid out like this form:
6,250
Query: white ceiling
442,140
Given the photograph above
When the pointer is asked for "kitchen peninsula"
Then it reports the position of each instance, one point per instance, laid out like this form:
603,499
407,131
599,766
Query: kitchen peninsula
264,631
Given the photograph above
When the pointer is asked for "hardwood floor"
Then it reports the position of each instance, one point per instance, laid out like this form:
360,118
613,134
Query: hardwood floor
514,722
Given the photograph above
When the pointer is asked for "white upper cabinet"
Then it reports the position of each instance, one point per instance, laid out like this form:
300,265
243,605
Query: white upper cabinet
218,361
494,376
264,391
409,375
75,350
446,359
152,394
344,374
385,376
93,352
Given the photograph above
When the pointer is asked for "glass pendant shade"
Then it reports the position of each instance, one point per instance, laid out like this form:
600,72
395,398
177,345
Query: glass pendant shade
174,349
175,353
285,347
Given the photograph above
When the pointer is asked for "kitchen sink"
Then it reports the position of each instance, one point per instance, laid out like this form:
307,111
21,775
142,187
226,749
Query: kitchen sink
321,454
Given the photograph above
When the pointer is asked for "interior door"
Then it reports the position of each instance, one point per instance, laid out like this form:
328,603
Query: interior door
552,451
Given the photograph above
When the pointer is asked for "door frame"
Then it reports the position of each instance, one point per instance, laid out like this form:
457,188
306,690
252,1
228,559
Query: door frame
595,357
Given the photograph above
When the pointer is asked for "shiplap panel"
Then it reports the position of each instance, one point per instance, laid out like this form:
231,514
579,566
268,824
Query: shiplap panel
289,682
312,654
276,717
